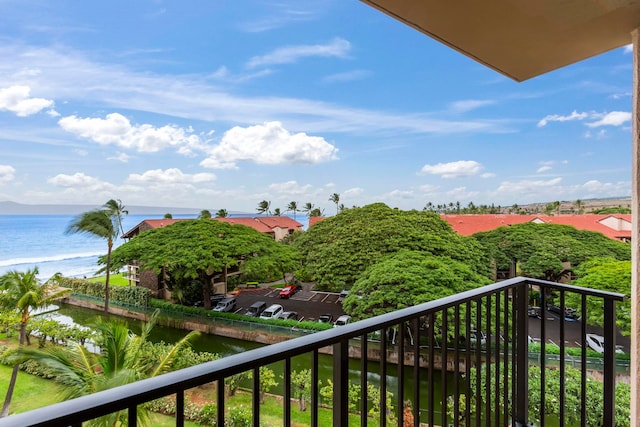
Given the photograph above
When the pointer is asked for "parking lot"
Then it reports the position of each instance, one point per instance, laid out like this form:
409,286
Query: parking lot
307,303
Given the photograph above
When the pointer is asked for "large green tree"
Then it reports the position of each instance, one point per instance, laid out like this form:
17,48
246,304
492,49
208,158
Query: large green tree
105,223
548,251
337,251
201,250
22,292
123,358
605,274
407,278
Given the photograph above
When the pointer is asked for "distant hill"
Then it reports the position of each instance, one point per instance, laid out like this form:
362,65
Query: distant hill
12,208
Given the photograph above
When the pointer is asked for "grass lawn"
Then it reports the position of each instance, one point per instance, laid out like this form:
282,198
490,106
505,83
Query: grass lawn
27,387
116,279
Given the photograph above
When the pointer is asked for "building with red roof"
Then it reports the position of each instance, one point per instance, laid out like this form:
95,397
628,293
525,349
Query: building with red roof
614,226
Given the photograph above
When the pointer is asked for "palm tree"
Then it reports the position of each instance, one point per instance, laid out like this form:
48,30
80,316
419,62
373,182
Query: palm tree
335,198
315,212
117,209
23,292
293,207
276,212
102,223
263,207
222,213
204,214
168,216
308,207
121,361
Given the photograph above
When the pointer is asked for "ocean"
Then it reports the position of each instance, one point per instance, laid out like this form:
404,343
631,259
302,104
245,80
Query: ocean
27,241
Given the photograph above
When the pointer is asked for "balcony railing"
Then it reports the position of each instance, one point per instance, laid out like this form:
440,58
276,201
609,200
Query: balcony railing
460,360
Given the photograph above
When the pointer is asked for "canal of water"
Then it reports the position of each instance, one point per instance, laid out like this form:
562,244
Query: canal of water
228,346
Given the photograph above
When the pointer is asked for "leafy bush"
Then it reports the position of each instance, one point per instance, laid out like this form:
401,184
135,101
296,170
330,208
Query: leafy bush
133,295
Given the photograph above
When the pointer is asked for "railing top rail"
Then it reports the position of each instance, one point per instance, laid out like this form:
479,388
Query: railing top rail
108,401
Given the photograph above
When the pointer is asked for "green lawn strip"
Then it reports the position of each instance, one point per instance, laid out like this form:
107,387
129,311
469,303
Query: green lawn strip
159,420
31,392
115,279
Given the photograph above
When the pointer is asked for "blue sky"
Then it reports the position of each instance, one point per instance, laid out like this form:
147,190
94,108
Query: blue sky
219,105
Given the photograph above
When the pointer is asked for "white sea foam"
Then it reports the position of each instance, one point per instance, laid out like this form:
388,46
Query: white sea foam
53,258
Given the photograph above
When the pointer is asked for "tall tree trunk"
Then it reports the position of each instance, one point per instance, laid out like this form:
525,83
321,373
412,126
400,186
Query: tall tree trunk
14,374
106,280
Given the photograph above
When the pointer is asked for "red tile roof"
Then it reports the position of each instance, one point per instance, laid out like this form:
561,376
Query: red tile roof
249,222
616,226
279,221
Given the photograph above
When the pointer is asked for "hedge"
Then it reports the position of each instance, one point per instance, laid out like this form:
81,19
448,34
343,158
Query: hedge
136,296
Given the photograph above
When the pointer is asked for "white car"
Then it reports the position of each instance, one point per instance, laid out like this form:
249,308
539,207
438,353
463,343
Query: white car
274,311
596,343
342,320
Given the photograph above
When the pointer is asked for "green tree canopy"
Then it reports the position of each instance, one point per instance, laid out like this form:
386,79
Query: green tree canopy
408,278
200,250
336,251
541,249
605,274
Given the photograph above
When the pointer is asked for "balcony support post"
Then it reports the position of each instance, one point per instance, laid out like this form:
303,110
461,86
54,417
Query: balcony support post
635,234
341,383
609,387
521,355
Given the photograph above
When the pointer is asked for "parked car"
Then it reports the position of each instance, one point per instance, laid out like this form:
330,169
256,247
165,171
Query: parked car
569,313
215,299
274,311
325,318
256,309
596,343
289,315
227,304
342,320
288,291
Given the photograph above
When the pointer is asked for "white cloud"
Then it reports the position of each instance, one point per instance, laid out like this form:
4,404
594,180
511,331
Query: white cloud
290,187
353,192
453,169
338,48
543,169
469,104
347,76
428,189
16,99
7,174
461,193
268,144
614,118
79,179
558,118
170,176
524,188
628,48
117,130
121,157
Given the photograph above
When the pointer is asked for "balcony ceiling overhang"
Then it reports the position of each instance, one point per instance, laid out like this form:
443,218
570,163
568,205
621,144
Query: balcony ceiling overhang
521,38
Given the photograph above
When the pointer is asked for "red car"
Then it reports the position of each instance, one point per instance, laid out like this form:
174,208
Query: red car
287,291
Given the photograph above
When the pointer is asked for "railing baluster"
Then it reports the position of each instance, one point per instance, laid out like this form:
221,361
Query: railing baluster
180,408
543,354
467,362
583,360
443,366
496,355
488,364
456,364
400,391
220,402
255,398
340,383
383,377
314,388
505,380
430,369
364,393
563,373
478,367
286,378
521,407
132,415
609,389
415,323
